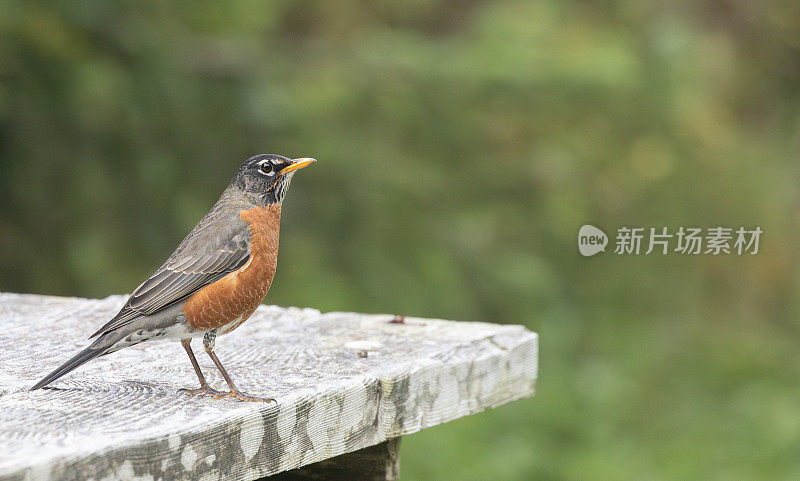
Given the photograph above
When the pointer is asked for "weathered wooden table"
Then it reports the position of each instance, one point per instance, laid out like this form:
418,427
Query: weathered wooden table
347,387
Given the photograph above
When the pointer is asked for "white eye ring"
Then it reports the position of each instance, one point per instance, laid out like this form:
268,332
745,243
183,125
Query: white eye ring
266,167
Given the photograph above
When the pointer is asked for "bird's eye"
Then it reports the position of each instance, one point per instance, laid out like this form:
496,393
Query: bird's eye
266,168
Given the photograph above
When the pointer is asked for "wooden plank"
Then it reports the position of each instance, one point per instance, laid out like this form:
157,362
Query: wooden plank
343,382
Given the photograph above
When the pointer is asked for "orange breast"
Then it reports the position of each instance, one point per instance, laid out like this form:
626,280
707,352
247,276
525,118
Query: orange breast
231,300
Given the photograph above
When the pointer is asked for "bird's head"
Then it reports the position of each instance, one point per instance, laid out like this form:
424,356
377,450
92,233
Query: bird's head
266,177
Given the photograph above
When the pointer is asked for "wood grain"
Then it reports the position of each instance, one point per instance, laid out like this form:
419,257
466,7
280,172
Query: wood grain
342,381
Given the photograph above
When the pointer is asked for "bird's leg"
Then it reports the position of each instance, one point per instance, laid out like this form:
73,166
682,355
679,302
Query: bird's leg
204,387
208,345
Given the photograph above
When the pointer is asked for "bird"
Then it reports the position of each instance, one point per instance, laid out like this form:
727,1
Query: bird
215,279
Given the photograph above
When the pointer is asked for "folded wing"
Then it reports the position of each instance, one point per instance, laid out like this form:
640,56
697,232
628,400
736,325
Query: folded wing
181,275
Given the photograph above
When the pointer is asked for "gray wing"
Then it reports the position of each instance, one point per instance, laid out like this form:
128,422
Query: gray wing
194,265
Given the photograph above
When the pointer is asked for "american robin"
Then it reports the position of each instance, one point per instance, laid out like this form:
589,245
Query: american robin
214,280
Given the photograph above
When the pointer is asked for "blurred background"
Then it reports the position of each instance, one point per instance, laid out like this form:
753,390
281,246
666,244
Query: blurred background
461,146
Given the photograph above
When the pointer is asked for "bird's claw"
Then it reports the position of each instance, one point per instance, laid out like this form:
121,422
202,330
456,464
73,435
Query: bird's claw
243,396
209,391
203,390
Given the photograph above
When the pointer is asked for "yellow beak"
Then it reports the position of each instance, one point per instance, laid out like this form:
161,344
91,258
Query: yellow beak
297,164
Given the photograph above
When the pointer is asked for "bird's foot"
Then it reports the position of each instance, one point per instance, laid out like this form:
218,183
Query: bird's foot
243,396
203,390
236,394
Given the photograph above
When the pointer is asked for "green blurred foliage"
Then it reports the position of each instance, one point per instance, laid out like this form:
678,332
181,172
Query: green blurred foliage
461,145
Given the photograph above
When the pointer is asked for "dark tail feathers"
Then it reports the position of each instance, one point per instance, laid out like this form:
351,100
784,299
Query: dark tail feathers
96,349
